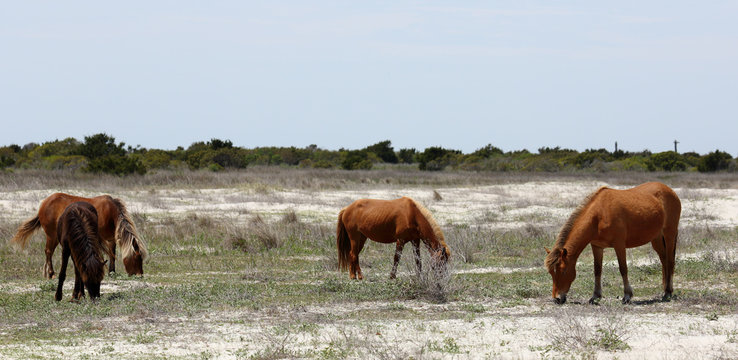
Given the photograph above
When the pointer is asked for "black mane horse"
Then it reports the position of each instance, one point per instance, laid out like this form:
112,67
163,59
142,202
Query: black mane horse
78,234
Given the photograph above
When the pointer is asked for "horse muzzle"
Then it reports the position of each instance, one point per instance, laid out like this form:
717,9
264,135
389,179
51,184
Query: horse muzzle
560,300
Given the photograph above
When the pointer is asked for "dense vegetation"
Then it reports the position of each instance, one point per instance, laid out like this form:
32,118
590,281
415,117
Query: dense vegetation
100,154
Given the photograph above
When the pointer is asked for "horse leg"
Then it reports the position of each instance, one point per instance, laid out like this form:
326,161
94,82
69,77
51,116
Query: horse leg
51,243
416,249
62,272
398,253
79,286
597,294
659,246
111,264
622,264
357,243
671,257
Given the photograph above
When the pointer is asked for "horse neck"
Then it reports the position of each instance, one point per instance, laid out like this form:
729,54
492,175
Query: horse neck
428,233
580,236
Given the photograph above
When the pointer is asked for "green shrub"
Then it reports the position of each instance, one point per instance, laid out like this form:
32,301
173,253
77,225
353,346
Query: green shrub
714,161
667,161
356,160
384,151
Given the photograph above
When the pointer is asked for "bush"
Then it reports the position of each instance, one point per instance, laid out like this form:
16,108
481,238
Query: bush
407,156
667,161
100,145
488,151
356,160
714,161
116,164
156,159
384,151
591,156
436,158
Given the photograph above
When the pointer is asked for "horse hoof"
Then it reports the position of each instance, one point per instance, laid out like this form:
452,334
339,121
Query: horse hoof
666,298
626,300
594,301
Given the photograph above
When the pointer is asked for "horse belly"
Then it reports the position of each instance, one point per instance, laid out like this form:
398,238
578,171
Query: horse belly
384,233
645,229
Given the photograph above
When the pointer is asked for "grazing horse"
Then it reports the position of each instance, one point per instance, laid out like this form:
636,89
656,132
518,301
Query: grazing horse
387,221
77,233
114,224
618,219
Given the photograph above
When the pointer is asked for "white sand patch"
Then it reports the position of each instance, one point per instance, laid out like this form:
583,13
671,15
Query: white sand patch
498,206
522,332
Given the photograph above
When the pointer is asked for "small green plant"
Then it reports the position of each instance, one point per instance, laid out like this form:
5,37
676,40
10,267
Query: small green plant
143,338
608,339
473,308
448,345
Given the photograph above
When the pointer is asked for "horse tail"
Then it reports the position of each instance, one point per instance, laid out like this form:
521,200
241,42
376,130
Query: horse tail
25,231
125,233
343,243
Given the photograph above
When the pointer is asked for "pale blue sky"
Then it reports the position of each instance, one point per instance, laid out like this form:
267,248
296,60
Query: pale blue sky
457,74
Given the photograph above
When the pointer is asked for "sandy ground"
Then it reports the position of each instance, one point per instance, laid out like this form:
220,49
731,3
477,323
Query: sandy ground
523,331
507,205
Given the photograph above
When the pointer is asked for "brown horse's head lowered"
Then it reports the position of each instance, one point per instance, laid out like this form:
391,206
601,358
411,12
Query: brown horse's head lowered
132,248
388,221
618,219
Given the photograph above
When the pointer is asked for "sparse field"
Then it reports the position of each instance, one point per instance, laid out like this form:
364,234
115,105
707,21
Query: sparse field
243,265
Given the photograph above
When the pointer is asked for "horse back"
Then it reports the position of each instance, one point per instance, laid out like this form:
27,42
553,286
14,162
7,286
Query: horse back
638,215
381,220
53,206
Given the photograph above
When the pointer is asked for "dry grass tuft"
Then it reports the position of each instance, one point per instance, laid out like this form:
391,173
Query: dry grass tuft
574,332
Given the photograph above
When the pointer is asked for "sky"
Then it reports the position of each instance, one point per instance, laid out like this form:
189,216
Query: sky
348,74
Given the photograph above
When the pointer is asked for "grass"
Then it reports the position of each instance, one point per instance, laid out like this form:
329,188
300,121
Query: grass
266,285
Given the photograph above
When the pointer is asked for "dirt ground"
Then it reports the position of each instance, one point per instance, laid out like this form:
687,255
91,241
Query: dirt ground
528,330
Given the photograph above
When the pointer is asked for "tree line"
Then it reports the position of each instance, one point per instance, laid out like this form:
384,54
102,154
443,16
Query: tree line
100,153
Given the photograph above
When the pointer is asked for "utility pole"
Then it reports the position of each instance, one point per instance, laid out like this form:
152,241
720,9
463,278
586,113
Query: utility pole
616,146
675,146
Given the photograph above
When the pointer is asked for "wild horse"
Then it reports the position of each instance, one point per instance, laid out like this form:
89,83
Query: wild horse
618,219
387,221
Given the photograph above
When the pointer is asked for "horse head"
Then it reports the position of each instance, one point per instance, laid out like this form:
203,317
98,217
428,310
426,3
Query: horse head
93,287
133,262
563,272
440,257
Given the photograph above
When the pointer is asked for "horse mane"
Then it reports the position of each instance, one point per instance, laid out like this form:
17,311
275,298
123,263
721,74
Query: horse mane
552,259
126,234
84,241
433,224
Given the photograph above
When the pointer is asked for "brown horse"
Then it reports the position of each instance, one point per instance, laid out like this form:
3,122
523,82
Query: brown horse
77,233
387,221
619,219
114,224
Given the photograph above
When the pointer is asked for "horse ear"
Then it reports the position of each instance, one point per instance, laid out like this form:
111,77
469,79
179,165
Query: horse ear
563,256
547,250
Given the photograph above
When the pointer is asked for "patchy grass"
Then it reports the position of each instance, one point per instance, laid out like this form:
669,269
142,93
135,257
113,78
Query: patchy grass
253,285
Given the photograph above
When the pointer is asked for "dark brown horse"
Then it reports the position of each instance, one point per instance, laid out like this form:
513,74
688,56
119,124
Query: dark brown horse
114,224
387,221
618,219
77,233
